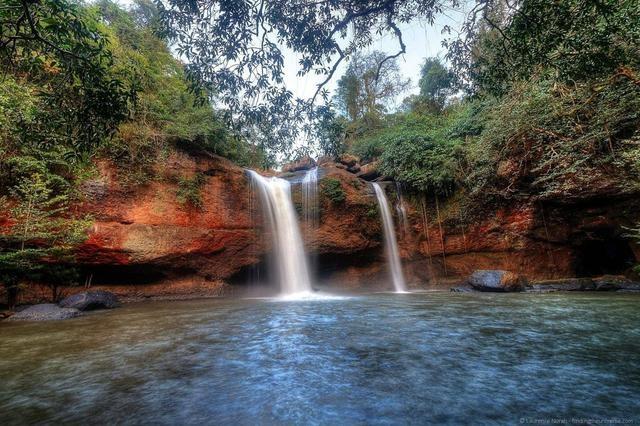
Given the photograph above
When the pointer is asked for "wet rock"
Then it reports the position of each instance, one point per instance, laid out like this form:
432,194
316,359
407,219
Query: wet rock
5,314
369,171
568,284
462,289
614,283
348,160
304,163
496,280
325,159
91,300
354,169
45,312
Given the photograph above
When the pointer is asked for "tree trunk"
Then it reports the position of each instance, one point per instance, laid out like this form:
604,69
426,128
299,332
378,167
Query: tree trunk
12,296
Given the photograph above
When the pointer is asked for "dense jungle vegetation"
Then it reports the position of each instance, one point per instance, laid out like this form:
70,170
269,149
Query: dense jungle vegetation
535,98
545,102
87,83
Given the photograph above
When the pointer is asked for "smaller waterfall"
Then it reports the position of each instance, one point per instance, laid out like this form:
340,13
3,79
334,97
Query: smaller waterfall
290,260
391,243
310,212
402,212
310,199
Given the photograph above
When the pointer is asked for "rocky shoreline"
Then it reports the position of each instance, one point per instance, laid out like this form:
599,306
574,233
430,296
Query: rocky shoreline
508,282
480,281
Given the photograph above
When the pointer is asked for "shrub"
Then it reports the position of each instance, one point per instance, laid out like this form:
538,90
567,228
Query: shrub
189,190
332,189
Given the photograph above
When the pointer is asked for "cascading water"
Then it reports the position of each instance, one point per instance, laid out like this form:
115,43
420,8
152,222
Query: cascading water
402,212
391,244
291,263
310,210
310,199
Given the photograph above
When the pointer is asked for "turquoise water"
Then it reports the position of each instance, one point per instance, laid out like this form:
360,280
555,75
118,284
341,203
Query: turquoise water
375,359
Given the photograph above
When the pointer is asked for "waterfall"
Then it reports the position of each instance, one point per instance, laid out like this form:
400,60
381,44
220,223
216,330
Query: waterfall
402,212
291,263
310,199
391,244
310,211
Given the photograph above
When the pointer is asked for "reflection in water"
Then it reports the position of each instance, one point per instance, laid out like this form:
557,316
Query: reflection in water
414,358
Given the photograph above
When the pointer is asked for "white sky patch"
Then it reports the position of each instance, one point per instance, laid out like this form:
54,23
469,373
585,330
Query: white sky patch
422,40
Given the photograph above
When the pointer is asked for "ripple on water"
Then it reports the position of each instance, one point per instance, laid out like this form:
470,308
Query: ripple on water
381,358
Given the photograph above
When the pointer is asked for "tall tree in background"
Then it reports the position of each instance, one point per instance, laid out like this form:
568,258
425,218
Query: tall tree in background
366,90
436,82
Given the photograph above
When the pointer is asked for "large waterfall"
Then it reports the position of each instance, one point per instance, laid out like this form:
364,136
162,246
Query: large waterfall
290,260
391,243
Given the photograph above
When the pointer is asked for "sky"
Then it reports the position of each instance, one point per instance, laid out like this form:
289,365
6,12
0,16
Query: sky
421,39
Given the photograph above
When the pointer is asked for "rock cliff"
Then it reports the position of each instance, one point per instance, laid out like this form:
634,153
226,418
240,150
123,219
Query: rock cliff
197,229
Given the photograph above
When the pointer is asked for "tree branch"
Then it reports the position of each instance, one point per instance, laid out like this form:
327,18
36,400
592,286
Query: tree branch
403,47
330,75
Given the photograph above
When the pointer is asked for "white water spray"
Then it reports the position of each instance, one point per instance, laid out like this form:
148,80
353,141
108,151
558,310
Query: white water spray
391,244
290,259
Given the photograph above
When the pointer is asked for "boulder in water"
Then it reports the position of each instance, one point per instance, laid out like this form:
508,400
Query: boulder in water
567,284
91,300
614,283
44,312
496,280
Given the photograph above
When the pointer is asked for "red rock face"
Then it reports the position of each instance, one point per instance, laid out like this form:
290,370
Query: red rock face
144,241
541,241
146,237
150,226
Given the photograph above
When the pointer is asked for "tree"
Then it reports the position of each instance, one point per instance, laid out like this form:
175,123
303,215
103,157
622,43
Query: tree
58,45
570,41
436,82
39,235
329,131
235,48
365,90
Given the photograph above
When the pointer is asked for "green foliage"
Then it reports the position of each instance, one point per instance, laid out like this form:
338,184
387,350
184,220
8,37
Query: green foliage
372,211
59,46
368,86
561,139
436,83
419,153
331,188
39,234
190,190
167,112
330,131
569,41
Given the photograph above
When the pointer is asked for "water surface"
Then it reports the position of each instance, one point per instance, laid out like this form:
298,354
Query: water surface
381,359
